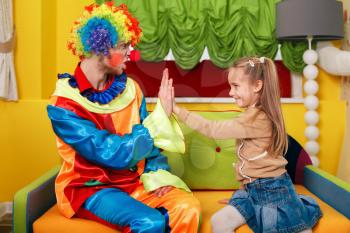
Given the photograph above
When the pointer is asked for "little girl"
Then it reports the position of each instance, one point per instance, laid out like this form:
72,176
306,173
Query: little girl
267,200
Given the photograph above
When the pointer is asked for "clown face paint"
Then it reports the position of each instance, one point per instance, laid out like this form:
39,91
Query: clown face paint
116,59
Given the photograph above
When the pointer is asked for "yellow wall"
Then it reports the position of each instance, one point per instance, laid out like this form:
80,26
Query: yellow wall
26,139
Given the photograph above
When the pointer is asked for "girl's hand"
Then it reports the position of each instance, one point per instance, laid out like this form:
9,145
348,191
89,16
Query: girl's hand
165,93
176,108
224,201
162,190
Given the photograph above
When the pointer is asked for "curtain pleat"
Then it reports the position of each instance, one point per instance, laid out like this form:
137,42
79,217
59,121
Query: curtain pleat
229,29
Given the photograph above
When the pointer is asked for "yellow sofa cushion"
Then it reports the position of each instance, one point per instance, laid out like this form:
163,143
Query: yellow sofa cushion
52,221
332,221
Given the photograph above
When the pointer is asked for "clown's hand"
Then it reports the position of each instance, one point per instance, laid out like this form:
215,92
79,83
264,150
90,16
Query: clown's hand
162,190
164,93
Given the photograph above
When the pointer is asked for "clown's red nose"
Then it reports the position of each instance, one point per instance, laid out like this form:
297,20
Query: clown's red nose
134,55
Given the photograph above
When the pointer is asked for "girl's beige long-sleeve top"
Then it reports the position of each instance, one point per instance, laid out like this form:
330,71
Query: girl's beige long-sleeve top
253,132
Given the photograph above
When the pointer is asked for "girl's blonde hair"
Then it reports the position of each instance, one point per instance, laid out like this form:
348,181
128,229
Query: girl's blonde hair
264,69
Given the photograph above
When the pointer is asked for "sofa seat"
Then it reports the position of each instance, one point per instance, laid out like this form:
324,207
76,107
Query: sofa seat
52,221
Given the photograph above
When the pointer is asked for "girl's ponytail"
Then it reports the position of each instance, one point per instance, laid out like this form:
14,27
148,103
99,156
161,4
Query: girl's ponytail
264,69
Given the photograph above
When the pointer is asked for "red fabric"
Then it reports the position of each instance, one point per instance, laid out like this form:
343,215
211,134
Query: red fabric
75,191
83,82
285,80
102,121
303,160
205,80
85,214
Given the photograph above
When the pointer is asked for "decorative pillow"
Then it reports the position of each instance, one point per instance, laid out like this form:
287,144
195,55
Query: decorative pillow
297,158
206,163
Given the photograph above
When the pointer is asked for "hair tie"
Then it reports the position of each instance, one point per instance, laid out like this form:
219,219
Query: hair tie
251,63
262,59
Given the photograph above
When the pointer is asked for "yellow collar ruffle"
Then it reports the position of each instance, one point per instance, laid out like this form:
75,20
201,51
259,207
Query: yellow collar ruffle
63,89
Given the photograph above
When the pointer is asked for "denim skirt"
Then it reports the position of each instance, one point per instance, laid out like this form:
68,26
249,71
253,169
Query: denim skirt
271,205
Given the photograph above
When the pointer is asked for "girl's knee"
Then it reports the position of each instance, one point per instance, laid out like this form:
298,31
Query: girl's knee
216,219
226,220
218,223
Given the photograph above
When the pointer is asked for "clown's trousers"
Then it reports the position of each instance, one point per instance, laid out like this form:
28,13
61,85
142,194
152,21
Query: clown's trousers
177,211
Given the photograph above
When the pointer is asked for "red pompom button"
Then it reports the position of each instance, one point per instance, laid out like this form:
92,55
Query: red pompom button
218,149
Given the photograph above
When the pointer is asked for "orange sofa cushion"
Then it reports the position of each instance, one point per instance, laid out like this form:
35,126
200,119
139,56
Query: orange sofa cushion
52,221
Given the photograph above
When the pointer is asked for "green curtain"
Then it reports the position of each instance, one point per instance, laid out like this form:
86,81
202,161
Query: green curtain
229,29
292,54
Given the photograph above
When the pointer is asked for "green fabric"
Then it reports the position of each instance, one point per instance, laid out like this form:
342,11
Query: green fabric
160,178
332,178
292,53
166,133
93,183
207,163
20,201
229,29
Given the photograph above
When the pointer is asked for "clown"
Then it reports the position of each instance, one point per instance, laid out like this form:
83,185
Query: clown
113,171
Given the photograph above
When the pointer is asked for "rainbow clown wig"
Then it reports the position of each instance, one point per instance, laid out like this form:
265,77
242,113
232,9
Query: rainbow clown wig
101,27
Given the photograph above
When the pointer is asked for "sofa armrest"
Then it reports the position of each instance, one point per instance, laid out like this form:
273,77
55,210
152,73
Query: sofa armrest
329,188
33,200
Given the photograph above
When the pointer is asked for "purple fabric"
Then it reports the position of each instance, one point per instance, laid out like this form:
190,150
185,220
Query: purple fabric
303,160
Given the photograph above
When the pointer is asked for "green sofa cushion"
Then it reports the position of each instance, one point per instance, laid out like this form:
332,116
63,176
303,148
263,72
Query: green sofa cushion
206,163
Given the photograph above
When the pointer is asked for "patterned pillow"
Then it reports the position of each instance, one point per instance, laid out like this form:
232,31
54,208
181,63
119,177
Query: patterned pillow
207,163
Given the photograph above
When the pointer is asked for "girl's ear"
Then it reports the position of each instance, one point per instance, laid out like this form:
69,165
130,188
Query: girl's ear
258,85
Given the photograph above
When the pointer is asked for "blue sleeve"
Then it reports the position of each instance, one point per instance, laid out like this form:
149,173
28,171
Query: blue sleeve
143,110
99,146
156,160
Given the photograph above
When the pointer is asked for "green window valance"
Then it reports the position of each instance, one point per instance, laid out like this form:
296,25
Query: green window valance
229,29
